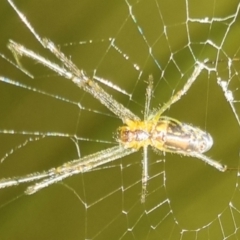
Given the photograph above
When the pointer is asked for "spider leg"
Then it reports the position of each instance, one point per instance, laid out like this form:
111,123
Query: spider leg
219,166
15,181
211,162
149,90
144,173
81,80
177,96
81,165
72,72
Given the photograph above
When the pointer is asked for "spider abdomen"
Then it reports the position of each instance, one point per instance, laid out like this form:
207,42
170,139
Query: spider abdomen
166,134
181,137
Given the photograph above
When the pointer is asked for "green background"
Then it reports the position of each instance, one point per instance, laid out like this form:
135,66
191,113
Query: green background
184,193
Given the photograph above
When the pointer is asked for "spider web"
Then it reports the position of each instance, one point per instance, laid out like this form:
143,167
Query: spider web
51,121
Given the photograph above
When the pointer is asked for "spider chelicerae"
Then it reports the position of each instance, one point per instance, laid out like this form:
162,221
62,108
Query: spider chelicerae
161,132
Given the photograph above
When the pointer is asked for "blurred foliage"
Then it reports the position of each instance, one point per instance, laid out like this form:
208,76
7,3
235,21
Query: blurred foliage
184,193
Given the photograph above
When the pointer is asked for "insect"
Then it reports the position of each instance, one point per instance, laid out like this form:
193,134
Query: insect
161,132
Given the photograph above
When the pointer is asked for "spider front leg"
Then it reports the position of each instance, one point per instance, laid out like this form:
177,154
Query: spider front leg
177,96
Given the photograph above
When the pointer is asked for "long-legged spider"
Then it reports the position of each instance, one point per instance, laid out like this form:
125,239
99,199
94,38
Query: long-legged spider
162,133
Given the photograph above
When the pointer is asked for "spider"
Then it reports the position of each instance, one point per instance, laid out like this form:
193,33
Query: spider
161,132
